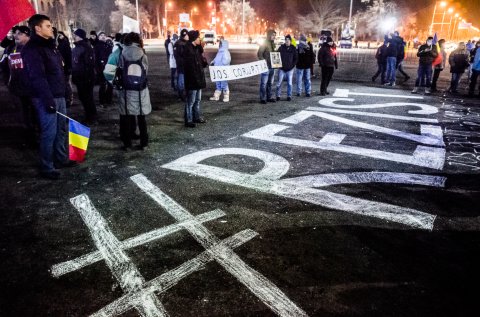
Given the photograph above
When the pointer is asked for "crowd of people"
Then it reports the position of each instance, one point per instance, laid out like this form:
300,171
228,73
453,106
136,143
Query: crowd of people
39,66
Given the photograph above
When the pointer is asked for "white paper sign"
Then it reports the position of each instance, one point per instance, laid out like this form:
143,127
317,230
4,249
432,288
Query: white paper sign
276,59
184,17
232,72
130,25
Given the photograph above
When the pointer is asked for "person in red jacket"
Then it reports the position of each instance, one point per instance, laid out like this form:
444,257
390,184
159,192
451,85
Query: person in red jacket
327,59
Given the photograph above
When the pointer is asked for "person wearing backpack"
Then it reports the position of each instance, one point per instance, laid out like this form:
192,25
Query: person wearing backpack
83,73
134,99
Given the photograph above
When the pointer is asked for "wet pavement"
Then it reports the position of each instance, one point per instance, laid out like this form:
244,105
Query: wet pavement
360,203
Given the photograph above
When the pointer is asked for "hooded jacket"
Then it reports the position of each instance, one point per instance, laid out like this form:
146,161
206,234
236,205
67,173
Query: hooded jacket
289,57
327,56
306,56
44,68
193,67
137,102
265,49
223,57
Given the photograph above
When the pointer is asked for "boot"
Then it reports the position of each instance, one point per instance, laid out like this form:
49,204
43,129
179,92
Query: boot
415,90
427,91
216,95
226,96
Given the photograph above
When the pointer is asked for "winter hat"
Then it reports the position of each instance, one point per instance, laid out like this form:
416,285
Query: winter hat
23,29
288,37
174,36
93,33
99,33
329,39
183,33
193,35
430,38
270,33
80,33
303,38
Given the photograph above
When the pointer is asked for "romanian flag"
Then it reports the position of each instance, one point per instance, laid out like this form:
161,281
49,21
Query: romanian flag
78,136
13,11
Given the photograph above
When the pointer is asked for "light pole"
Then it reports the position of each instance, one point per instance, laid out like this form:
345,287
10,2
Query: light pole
350,15
165,22
443,4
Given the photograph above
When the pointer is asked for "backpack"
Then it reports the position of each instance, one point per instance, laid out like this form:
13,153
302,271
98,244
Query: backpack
134,75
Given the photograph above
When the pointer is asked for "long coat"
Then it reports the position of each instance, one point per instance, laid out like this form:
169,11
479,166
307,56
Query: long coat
137,102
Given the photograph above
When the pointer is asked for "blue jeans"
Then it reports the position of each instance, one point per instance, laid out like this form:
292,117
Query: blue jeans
454,83
281,74
391,69
305,75
180,83
221,85
266,83
53,134
192,106
173,78
424,75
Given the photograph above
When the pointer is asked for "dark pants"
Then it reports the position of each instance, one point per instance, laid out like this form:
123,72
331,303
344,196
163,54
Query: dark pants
454,82
473,82
436,75
85,94
173,78
128,127
327,73
424,74
105,92
68,90
400,69
381,70
53,134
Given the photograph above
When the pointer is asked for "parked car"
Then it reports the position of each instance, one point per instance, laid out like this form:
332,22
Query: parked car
208,36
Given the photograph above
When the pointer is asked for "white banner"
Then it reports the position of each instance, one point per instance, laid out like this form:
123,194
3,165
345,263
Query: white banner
184,17
232,72
130,25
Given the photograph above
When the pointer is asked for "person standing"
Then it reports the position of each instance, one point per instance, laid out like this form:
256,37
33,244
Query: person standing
327,59
306,58
172,63
178,53
93,38
135,98
427,54
438,65
381,57
267,78
400,55
289,56
475,71
102,50
194,64
83,73
63,45
223,58
459,62
44,68
166,44
391,52
18,82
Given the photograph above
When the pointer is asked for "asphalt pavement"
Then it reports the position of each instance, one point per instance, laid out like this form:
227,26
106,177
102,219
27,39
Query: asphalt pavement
360,203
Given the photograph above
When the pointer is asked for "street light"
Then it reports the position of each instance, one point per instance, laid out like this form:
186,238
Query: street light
165,22
443,4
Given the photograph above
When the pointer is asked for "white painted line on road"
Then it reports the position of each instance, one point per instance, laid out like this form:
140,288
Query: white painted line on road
424,108
92,257
169,279
191,164
323,180
123,269
434,136
431,157
346,93
261,287
333,138
369,114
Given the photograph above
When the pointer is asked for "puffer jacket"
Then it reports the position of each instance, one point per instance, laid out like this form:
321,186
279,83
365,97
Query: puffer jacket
193,67
223,57
289,57
265,49
458,61
43,65
327,56
136,102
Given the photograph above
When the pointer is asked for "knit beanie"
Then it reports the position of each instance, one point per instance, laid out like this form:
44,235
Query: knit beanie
193,35
80,33
183,33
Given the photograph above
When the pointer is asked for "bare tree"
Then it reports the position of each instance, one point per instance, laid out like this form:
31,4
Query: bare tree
369,21
125,7
324,15
232,11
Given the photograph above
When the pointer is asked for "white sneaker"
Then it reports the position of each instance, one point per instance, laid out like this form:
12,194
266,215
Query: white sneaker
216,95
415,90
226,96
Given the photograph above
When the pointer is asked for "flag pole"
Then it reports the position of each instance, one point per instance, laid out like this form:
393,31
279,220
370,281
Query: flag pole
63,115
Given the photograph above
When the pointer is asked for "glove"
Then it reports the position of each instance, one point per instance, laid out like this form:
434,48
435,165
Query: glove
51,108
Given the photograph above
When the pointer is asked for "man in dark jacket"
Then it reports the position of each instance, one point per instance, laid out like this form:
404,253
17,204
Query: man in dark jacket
44,68
400,54
167,41
102,51
63,45
267,78
427,54
391,53
83,73
327,59
381,57
289,56
194,63
306,58
178,53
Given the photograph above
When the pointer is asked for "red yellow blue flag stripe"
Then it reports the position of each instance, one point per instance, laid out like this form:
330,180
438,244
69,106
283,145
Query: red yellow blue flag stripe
78,137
